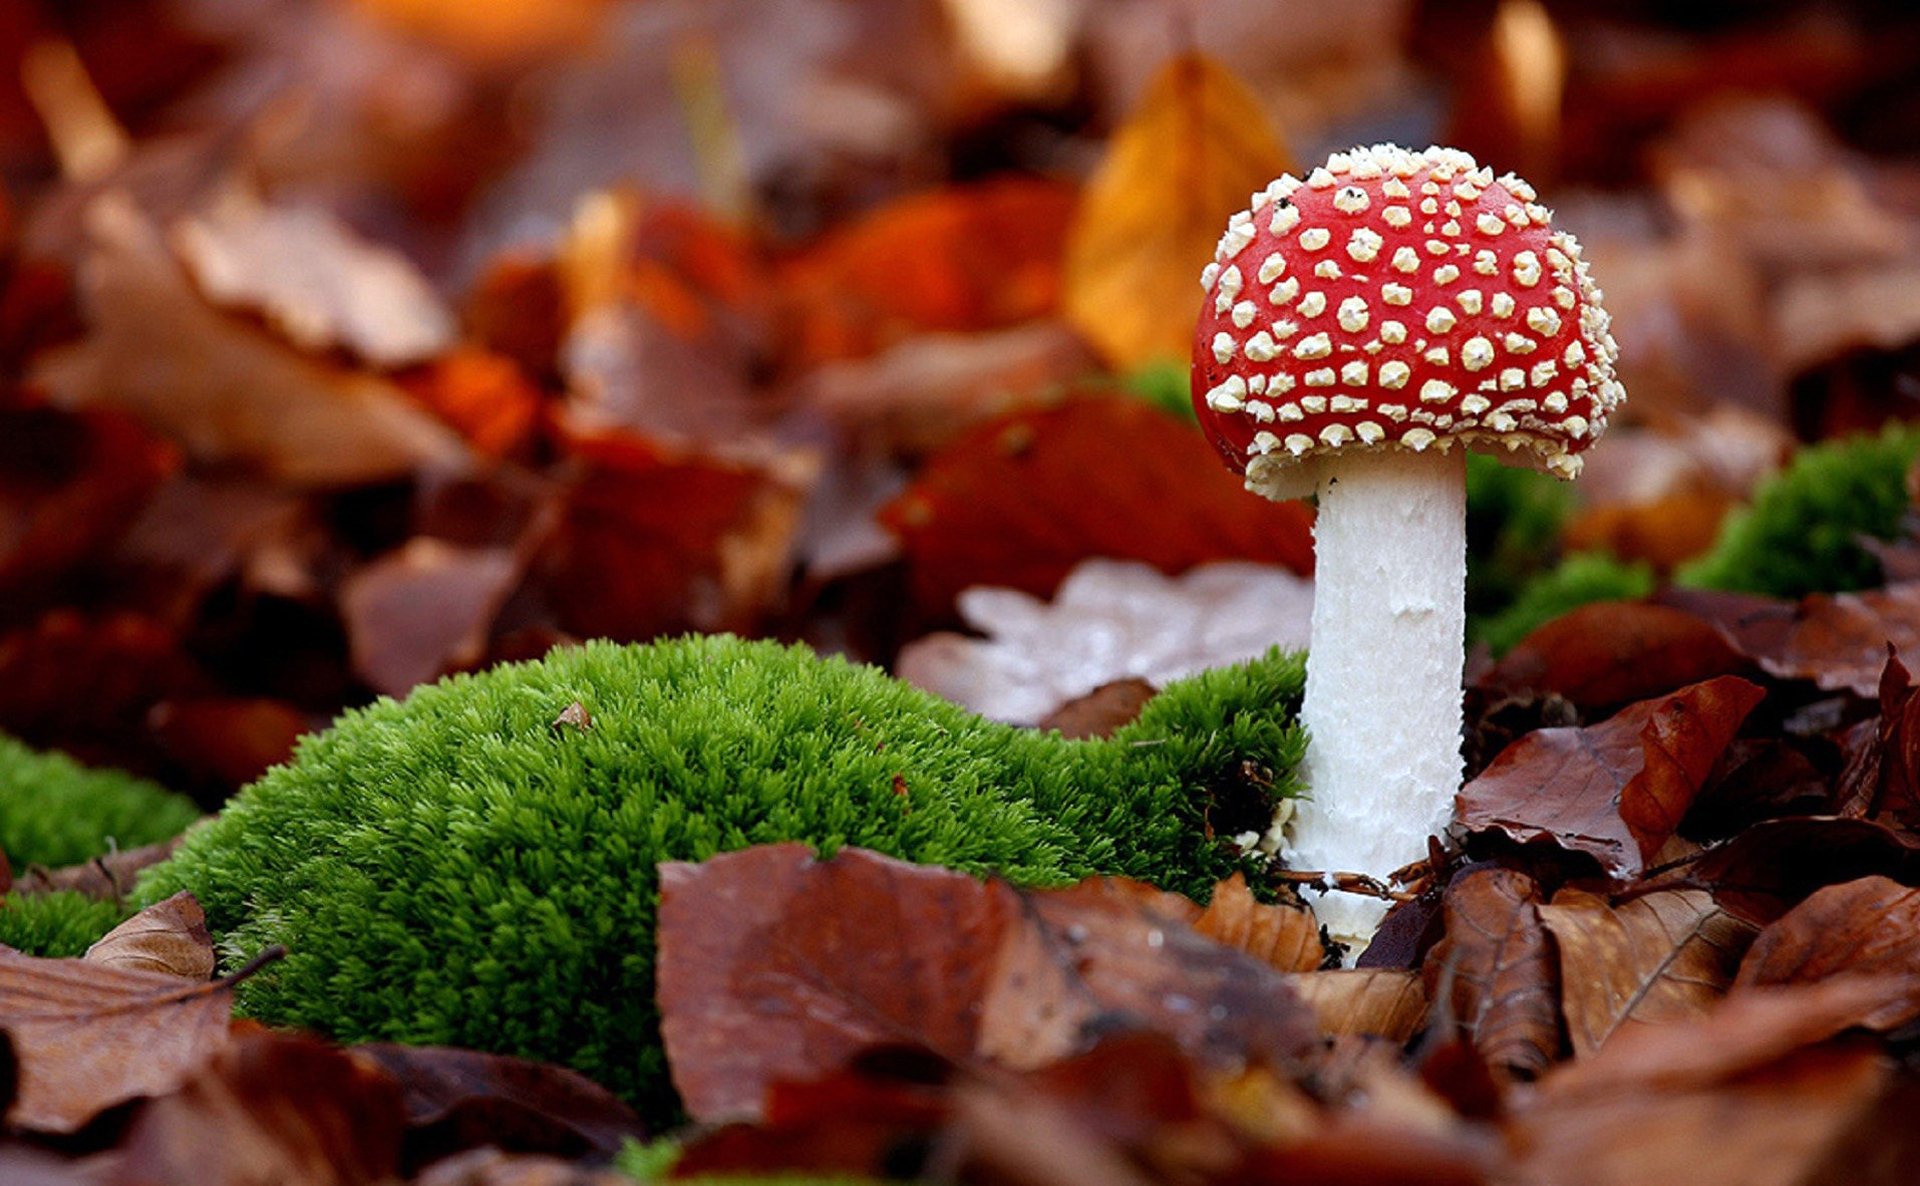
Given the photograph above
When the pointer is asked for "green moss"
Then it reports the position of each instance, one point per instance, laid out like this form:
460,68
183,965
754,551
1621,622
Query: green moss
1165,385
59,925
54,811
1802,532
1514,519
1579,579
455,869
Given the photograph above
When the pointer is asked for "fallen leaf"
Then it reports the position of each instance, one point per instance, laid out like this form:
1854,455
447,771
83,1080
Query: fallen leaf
226,740
485,396
966,258
491,1167
270,1108
1188,157
169,937
1882,775
108,876
89,1037
1494,973
776,965
1614,652
1656,958
1110,620
1019,502
424,609
1099,712
315,281
1871,925
1838,640
1285,938
219,387
457,1100
1387,1003
1616,790
1769,866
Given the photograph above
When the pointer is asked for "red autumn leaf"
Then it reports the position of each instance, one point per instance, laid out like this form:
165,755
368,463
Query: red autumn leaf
776,965
463,1099
1018,502
1871,925
485,396
1773,864
1494,972
1615,652
271,1108
1616,790
89,1036
1659,957
965,258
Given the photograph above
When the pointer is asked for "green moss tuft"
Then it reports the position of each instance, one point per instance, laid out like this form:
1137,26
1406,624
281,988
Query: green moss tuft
1579,579
456,869
59,925
54,811
1514,519
1802,532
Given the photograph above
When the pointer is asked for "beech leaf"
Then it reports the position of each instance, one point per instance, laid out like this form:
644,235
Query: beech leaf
1656,958
169,937
1616,790
1387,1003
1191,155
1868,925
1494,973
1838,640
1614,652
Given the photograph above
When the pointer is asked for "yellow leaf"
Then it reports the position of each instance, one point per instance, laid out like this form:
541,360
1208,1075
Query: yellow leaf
1195,152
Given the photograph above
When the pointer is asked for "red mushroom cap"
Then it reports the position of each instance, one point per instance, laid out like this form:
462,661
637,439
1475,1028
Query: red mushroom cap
1400,300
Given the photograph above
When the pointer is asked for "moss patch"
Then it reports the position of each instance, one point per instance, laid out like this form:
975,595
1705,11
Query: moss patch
455,868
59,926
54,811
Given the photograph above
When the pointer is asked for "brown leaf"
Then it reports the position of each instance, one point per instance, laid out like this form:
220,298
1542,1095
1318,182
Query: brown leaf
1284,937
1867,926
89,1037
423,610
463,1099
1882,775
1656,958
270,1108
109,876
1775,863
1839,640
1101,711
1188,157
1494,973
168,937
1614,652
220,387
486,397
491,1167
776,965
1384,1002
1616,790
317,283
1018,502
227,740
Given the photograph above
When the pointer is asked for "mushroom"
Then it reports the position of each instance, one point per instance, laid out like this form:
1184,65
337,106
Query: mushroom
1358,326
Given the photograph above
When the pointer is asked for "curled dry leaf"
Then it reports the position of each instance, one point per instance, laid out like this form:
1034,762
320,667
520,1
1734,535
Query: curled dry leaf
1187,158
1614,652
1839,640
1387,1003
1882,775
424,610
1284,937
1616,790
1494,973
271,1108
775,965
314,280
1771,865
1871,925
88,1037
169,937
1660,957
220,387
1019,502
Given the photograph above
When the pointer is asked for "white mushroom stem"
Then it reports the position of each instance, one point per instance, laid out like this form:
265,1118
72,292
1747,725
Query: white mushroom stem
1383,695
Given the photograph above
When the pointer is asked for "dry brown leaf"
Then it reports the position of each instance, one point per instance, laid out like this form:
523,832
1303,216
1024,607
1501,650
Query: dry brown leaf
1379,1002
491,1167
1494,973
1657,958
424,610
1868,925
89,1037
168,937
219,386
1195,150
315,281
1285,937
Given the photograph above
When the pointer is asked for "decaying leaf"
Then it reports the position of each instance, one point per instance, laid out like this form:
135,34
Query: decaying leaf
776,965
1191,155
1657,958
1018,502
424,609
1871,925
1839,640
1616,790
1285,937
1494,973
169,937
1614,652
1388,1003
89,1037
220,387
1771,865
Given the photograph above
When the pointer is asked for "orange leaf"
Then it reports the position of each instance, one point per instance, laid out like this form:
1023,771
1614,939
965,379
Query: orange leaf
1018,502
1190,156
